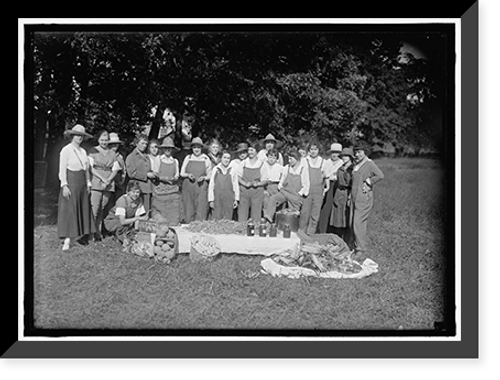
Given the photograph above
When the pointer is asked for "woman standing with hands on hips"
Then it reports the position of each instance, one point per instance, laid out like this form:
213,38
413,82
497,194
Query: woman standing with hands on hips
139,169
365,174
74,216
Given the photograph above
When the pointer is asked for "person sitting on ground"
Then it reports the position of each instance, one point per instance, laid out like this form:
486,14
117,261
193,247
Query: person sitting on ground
128,209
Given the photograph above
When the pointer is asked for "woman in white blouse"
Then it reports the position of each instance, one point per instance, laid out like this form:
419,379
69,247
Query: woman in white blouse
74,217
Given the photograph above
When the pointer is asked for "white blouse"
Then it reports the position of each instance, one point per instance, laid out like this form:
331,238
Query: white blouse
71,158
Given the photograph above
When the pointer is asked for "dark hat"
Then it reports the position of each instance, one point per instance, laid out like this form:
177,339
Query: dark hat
347,152
361,145
241,148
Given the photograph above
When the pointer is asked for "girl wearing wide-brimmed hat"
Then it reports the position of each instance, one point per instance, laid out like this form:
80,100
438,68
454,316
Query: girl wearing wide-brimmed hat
269,142
241,153
341,200
166,198
196,172
74,216
333,163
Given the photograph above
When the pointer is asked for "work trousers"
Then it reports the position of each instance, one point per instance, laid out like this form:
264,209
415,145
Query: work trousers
250,199
361,209
311,209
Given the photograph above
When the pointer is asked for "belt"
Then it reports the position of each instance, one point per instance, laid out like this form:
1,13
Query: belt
102,168
273,182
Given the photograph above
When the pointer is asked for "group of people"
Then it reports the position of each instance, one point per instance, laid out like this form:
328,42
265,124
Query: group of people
103,193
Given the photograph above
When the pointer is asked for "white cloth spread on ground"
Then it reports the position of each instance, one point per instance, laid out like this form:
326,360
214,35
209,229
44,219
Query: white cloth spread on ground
247,245
269,266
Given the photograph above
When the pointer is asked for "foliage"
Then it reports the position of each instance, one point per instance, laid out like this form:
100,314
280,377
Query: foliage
235,85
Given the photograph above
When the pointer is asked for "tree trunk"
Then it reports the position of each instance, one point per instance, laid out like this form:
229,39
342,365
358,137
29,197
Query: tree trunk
158,119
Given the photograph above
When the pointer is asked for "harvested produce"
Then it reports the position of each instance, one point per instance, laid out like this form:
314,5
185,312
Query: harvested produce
204,247
321,258
218,227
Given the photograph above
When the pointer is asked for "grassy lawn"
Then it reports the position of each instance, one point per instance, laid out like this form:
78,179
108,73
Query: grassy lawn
98,287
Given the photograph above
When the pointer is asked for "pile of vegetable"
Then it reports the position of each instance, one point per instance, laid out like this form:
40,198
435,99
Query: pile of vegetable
166,245
218,227
164,248
204,248
320,258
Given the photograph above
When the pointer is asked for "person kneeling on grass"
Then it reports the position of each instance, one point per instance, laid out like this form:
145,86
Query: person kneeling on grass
128,209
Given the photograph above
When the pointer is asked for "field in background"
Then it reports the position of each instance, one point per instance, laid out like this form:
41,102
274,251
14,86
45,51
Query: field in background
98,287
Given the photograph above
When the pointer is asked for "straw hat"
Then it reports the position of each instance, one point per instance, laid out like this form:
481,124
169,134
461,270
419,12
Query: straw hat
335,147
242,147
168,143
77,130
270,137
114,139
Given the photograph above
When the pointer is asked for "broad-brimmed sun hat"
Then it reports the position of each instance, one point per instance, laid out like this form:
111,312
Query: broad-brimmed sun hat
242,147
335,147
270,138
77,130
168,143
197,142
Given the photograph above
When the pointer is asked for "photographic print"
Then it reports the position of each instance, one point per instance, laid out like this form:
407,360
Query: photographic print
240,180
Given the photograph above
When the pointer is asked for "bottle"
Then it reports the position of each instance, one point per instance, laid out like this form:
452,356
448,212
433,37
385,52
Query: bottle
262,228
286,231
273,230
250,228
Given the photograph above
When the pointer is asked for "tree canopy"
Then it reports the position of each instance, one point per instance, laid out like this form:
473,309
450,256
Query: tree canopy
237,85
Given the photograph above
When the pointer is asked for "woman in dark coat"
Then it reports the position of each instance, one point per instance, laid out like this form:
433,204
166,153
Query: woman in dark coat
341,198
139,169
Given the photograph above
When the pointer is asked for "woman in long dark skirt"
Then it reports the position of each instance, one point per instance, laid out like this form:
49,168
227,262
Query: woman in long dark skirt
74,216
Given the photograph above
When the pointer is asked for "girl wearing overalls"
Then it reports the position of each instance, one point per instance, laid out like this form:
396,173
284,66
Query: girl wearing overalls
250,176
166,196
293,187
311,209
196,171
223,189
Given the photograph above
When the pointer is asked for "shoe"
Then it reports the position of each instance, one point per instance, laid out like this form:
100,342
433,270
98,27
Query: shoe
65,246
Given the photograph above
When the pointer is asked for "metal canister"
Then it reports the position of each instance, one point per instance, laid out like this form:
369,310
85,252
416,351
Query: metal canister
287,231
273,230
250,228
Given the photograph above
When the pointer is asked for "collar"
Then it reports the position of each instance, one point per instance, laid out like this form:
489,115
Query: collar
360,164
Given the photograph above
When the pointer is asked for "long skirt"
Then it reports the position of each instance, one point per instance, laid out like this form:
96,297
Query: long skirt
74,215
